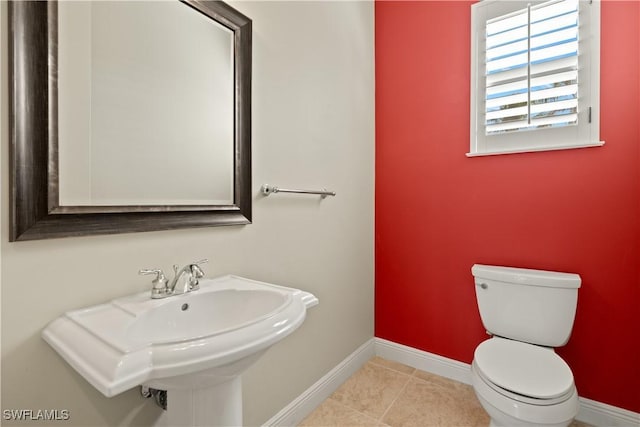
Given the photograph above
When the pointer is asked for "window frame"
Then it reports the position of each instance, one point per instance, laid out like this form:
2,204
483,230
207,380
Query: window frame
582,135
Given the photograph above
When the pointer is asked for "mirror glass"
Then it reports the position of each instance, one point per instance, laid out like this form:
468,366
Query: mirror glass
145,105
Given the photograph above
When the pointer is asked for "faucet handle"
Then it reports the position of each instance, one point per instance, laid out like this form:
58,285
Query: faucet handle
159,273
196,270
196,273
159,289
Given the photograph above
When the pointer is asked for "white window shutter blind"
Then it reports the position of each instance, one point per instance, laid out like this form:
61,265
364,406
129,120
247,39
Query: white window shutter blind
531,68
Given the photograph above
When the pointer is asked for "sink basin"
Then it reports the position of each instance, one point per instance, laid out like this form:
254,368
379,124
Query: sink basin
179,341
201,315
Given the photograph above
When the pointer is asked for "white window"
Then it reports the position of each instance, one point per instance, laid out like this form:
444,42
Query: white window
535,70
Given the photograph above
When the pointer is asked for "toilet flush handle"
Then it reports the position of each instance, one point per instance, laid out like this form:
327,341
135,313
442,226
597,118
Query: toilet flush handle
483,285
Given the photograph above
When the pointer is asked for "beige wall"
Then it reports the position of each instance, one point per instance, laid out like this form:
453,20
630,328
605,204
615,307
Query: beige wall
313,126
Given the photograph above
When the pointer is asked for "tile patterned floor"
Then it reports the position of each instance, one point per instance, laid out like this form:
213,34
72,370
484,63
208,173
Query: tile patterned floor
386,393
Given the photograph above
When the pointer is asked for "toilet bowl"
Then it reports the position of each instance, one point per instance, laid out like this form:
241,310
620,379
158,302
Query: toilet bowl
521,384
516,375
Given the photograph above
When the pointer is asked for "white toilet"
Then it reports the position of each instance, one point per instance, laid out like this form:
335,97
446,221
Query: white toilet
516,374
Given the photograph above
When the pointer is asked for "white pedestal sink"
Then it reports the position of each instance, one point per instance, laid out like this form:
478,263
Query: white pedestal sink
194,345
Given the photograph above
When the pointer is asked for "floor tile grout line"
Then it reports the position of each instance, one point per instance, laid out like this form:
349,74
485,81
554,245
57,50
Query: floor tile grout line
404,374
395,400
406,384
391,369
411,375
353,409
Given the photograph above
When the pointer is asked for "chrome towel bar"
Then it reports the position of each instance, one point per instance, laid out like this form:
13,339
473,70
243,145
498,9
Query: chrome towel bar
268,189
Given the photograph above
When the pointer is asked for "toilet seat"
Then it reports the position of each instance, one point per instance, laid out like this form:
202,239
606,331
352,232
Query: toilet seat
524,372
519,397
509,409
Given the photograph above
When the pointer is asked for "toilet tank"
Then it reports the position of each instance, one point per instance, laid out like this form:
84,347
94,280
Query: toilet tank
533,306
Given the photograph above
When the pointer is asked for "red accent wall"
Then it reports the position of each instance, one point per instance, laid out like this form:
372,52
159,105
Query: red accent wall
439,212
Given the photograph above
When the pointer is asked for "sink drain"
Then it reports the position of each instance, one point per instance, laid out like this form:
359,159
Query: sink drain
185,307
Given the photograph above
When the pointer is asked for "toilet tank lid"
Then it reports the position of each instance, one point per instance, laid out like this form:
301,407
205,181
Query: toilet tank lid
525,276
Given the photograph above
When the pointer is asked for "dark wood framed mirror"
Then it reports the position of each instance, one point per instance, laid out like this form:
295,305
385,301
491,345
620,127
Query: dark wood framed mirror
36,210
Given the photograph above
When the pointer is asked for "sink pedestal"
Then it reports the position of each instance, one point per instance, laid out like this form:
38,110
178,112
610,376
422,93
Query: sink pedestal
219,405
208,398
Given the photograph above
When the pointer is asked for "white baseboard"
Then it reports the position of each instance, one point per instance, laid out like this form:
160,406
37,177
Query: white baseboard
423,360
311,398
601,414
591,412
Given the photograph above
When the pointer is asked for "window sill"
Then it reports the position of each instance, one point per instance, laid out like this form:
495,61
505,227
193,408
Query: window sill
534,149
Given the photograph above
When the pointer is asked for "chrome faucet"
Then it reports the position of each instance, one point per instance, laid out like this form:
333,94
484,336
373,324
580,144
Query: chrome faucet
185,280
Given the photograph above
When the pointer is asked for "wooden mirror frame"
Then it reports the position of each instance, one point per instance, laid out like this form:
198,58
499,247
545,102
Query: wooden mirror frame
33,126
